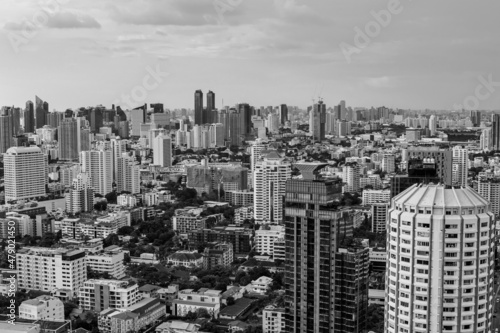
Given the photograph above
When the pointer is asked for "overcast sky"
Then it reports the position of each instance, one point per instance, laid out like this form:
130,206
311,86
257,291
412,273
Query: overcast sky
429,54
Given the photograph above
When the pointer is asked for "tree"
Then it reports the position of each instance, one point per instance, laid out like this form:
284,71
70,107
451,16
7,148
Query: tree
230,300
111,197
202,313
112,239
125,230
68,308
101,206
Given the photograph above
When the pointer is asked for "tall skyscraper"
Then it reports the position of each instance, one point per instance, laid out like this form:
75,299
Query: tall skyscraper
80,197
162,150
495,131
283,114
460,166
68,138
211,107
41,111
118,147
198,107
256,152
432,125
485,139
475,118
96,119
29,118
245,118
15,119
25,173
441,260
128,176
317,120
351,175
269,181
54,119
5,131
316,296
98,164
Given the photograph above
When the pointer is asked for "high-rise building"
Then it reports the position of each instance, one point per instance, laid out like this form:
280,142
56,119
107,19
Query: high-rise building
441,261
80,197
137,117
413,134
495,131
118,147
98,164
48,269
211,108
96,119
162,151
41,111
460,166
54,119
420,171
25,173
269,182
245,118
490,190
256,152
317,120
351,175
344,128
314,232
485,139
432,125
283,114
5,131
29,117
198,107
388,163
475,118
443,158
128,175
68,137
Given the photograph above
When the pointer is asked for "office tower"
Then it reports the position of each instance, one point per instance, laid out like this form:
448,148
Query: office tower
460,166
343,128
137,117
29,118
485,139
272,123
54,119
124,129
495,132
25,173
15,118
5,131
443,158
314,232
210,107
216,133
388,163
96,119
68,139
351,175
162,151
118,147
198,107
317,120
160,120
475,118
432,125
98,164
440,267
157,107
283,114
41,111
48,269
80,197
128,177
235,135
245,118
490,190
420,171
269,181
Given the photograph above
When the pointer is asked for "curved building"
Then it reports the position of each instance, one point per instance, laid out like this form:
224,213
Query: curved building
440,269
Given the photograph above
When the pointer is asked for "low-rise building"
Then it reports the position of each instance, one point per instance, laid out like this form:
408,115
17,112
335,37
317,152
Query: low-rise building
168,295
110,261
148,291
273,319
42,308
239,310
243,213
190,300
177,326
260,286
266,237
186,259
218,254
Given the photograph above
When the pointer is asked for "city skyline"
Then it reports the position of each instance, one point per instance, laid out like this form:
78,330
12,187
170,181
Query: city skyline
263,53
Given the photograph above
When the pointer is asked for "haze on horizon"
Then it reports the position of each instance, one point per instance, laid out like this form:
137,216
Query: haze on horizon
430,55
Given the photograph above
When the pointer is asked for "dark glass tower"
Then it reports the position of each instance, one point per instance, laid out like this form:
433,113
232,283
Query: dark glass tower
29,117
314,231
40,112
211,108
495,133
283,114
96,119
198,107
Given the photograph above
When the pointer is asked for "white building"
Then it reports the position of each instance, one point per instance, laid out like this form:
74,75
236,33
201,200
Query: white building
26,173
127,200
490,190
485,140
351,174
440,272
269,179
80,197
109,261
432,125
273,319
186,259
388,163
47,269
373,196
190,300
460,166
97,295
128,175
42,308
379,216
99,165
260,286
265,239
243,213
162,150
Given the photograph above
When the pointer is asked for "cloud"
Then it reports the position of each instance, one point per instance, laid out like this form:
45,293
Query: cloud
69,20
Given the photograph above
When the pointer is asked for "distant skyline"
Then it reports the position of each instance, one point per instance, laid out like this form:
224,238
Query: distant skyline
430,55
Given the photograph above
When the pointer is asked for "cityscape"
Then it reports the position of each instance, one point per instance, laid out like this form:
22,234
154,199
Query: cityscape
213,204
